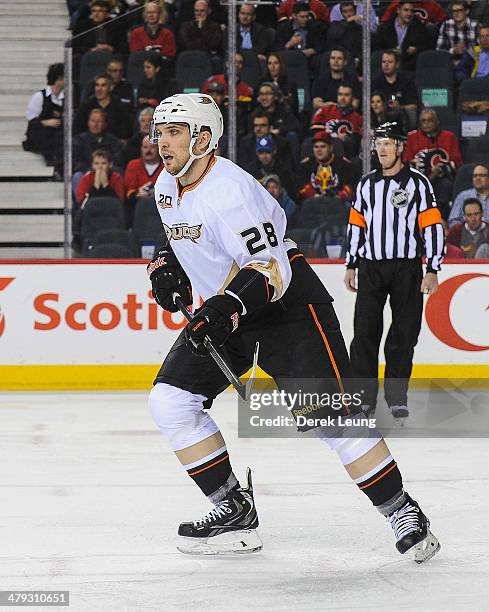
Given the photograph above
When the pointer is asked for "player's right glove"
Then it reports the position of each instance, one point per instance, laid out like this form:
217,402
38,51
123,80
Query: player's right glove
167,276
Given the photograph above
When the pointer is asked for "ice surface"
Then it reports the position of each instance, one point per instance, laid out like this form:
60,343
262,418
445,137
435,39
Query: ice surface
91,498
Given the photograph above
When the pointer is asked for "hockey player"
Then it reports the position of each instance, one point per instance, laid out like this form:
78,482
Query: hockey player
226,234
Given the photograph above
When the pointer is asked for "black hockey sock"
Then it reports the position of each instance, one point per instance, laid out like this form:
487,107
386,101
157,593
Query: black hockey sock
382,485
214,477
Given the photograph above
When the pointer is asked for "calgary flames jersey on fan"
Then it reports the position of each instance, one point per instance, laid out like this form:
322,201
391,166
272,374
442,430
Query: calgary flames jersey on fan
336,121
221,223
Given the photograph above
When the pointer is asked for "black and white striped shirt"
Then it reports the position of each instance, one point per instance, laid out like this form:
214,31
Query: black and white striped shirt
395,217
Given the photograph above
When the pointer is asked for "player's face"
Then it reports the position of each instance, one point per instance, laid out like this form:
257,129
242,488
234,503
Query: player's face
173,143
473,216
387,151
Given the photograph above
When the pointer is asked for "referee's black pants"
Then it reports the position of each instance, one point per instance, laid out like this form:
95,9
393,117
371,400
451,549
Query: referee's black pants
400,279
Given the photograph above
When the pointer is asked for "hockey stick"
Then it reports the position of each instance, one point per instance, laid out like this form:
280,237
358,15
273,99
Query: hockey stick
243,390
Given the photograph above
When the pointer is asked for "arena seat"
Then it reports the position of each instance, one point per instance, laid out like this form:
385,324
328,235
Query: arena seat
147,226
100,214
192,69
298,72
92,64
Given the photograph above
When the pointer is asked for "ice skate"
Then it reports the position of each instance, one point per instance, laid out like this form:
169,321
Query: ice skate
411,528
400,414
229,528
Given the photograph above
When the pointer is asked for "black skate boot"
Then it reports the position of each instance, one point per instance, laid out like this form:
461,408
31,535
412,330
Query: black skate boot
230,527
411,528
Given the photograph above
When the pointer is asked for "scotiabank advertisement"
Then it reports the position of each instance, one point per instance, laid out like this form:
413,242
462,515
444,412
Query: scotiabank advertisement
103,314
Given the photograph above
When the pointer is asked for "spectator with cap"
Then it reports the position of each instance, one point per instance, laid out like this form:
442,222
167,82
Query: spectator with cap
260,123
324,174
341,121
325,87
273,185
301,33
45,119
140,176
435,153
133,146
244,91
267,162
472,233
459,33
405,34
153,35
202,33
479,191
118,118
95,138
250,34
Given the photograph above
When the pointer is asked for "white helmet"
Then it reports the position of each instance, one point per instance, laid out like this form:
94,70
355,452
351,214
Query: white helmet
197,111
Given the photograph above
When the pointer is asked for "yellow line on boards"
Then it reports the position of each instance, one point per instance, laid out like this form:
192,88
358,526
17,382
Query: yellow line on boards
140,377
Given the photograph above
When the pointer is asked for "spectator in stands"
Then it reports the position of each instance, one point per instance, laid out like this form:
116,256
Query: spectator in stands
479,190
405,34
267,162
458,34
250,34
451,251
325,88
120,86
381,113
201,34
156,85
273,185
346,28
475,64
110,36
301,33
317,9
262,127
472,233
118,118
133,146
101,180
427,11
140,176
276,72
153,36
95,138
243,90
435,153
399,90
341,121
324,174
45,119
284,122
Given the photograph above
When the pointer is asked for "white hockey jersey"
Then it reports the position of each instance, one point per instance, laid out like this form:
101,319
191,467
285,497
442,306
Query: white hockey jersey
221,223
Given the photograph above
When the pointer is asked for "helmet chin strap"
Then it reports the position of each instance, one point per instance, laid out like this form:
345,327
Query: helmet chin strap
192,157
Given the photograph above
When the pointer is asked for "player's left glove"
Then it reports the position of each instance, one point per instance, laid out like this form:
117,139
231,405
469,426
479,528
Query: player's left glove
217,318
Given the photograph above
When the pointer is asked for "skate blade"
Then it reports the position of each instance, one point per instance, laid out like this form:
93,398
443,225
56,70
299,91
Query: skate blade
241,542
426,549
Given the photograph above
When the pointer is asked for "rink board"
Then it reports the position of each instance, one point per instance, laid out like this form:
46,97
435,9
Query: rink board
94,325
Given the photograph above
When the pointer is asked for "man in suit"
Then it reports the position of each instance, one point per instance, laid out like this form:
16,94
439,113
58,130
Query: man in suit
406,34
252,35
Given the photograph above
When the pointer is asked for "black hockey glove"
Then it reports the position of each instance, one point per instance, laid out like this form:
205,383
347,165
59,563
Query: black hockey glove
217,318
167,276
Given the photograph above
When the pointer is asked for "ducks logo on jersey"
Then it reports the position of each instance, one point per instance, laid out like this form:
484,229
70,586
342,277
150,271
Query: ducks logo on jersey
183,231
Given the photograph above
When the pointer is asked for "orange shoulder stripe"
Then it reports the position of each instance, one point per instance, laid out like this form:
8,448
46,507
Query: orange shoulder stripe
428,217
357,218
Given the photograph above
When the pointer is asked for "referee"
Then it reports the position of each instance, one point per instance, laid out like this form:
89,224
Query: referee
393,222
